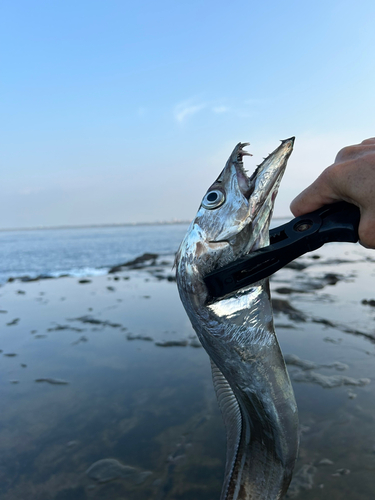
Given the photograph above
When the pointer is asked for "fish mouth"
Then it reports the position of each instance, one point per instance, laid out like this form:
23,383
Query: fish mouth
257,191
267,176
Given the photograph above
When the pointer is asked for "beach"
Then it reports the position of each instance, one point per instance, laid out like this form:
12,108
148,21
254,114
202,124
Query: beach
106,393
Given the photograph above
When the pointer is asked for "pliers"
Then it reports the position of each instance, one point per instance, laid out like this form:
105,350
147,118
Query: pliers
336,222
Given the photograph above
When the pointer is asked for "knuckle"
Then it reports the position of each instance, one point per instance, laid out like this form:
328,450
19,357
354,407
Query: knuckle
346,153
355,151
329,174
369,142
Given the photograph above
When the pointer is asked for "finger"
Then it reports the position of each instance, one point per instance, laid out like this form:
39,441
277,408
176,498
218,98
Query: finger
319,193
370,141
366,229
355,151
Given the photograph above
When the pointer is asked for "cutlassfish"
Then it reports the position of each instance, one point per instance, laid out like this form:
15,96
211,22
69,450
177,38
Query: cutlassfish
252,385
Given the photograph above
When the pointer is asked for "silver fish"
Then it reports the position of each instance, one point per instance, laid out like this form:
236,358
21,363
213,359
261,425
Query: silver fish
248,370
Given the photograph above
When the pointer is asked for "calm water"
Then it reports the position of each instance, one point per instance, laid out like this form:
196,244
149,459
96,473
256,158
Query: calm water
82,251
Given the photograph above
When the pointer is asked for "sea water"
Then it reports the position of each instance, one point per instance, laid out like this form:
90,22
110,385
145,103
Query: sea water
87,251
84,251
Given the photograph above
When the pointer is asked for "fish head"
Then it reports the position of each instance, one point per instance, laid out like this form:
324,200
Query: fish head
234,216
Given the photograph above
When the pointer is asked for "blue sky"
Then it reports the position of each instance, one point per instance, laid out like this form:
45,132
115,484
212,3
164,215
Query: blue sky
117,111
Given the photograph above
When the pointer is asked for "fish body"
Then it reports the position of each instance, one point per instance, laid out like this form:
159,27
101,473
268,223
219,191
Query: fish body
249,374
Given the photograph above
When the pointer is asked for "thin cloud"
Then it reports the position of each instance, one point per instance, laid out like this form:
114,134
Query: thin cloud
186,109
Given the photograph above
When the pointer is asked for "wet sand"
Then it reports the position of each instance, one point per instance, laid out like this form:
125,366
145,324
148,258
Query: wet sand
105,392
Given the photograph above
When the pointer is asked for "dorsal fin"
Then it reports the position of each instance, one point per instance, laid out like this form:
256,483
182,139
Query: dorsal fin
232,417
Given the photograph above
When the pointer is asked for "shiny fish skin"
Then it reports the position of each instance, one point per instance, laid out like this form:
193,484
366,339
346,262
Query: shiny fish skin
249,374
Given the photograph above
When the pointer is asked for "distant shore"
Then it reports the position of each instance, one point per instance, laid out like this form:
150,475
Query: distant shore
93,226
120,224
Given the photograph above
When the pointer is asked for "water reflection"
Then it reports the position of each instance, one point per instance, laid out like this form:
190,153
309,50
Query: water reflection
150,409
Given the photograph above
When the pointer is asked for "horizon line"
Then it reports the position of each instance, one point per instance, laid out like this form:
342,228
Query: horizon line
111,224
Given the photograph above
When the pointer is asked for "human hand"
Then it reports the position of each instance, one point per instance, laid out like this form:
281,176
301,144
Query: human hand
351,178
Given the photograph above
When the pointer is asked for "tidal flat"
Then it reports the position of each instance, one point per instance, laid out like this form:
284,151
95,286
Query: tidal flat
106,394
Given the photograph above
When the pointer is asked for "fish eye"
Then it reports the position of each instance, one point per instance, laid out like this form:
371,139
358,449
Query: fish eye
213,199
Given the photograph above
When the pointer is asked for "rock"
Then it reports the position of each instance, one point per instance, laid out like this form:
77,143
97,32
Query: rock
13,322
142,259
332,278
132,336
332,340
296,265
323,321
83,281
283,306
370,302
172,343
26,279
284,290
145,260
94,321
52,381
63,327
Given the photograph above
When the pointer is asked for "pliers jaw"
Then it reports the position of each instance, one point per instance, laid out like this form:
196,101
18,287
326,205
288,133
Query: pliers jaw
336,222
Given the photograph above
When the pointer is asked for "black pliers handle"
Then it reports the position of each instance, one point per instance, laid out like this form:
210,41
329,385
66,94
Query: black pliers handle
336,222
